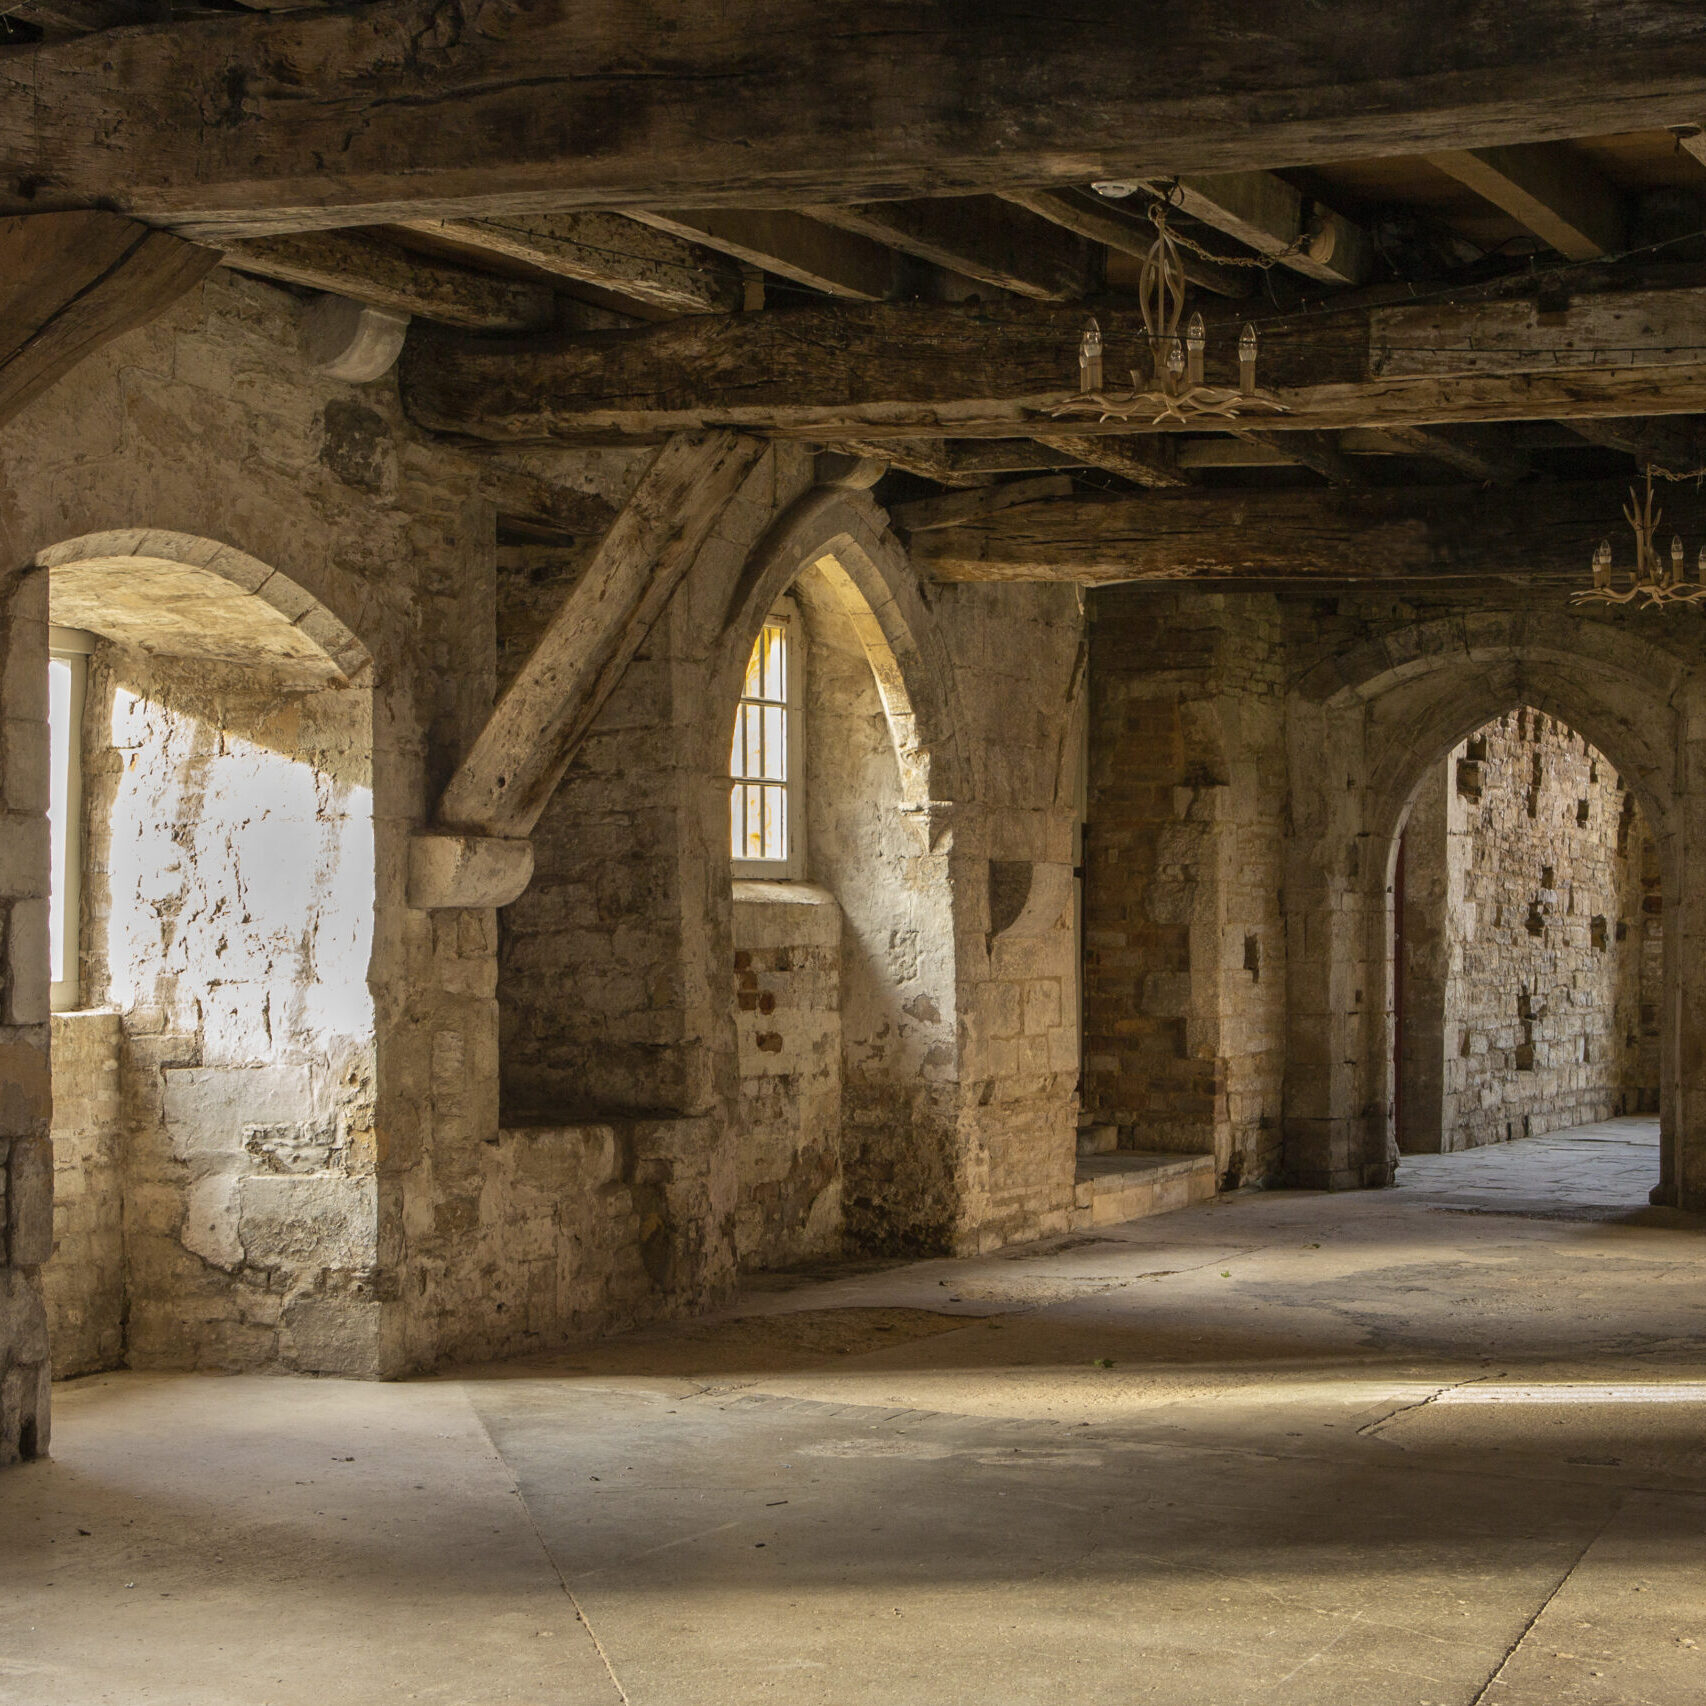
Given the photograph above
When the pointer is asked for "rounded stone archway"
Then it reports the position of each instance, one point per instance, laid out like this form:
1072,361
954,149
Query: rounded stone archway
214,1072
1365,728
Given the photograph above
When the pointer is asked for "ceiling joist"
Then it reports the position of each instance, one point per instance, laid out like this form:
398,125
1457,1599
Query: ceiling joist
651,267
821,257
1562,200
224,125
981,237
369,269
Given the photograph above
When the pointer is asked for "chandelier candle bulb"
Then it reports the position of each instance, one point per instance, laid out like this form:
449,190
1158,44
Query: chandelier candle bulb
1195,337
1602,565
1247,361
1090,358
1676,559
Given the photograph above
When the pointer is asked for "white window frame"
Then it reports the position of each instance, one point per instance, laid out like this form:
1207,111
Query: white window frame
70,648
792,868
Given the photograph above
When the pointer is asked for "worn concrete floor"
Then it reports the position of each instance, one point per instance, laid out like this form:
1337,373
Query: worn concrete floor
1423,1447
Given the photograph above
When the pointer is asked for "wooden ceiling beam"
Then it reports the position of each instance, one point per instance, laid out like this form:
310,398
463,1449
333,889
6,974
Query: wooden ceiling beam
913,370
982,237
1492,465
369,269
839,263
77,17
1317,451
927,458
273,121
1267,215
1150,462
1335,534
71,282
1667,447
646,265
1561,199
1127,233
952,508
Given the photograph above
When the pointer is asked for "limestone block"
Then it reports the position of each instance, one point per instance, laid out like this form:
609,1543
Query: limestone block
27,962
210,1220
29,1202
447,870
208,1109
296,1222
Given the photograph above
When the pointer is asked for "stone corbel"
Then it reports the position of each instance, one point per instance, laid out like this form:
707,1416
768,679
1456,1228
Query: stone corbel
932,822
447,869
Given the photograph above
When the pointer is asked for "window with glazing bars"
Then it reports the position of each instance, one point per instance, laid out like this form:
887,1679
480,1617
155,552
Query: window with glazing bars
760,762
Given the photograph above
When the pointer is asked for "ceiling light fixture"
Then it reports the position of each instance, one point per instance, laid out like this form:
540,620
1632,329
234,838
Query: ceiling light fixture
1656,580
1176,391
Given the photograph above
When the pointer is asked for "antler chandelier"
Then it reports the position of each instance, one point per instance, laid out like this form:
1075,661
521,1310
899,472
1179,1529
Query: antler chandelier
1176,391
1656,582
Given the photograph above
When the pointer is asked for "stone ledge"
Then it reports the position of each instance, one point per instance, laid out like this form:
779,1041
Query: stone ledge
1130,1185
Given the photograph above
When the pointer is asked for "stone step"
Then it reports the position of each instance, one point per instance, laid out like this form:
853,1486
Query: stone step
1130,1184
1098,1139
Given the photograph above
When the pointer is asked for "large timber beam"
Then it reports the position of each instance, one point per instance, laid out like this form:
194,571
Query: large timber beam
1333,534
70,282
409,108
520,755
881,371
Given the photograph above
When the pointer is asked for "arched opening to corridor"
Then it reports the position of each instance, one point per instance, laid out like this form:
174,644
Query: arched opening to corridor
213,894
1527,971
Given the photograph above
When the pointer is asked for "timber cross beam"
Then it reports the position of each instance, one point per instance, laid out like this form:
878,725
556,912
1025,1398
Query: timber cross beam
222,126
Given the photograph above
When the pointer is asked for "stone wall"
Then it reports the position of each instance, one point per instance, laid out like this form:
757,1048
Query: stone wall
1252,758
331,510
1185,948
229,922
788,998
26,1150
85,1280
1524,925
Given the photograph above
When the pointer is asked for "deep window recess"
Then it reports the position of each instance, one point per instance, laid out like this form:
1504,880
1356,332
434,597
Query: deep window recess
765,819
67,677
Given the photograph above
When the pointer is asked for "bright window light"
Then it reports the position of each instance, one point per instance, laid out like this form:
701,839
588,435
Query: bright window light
760,759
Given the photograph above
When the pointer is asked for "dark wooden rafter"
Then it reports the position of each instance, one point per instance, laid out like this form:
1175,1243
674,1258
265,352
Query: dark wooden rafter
1558,197
71,282
1274,219
980,237
954,508
371,269
1317,451
802,250
1127,232
1677,448
520,755
653,268
225,125
1333,534
1147,461
899,371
